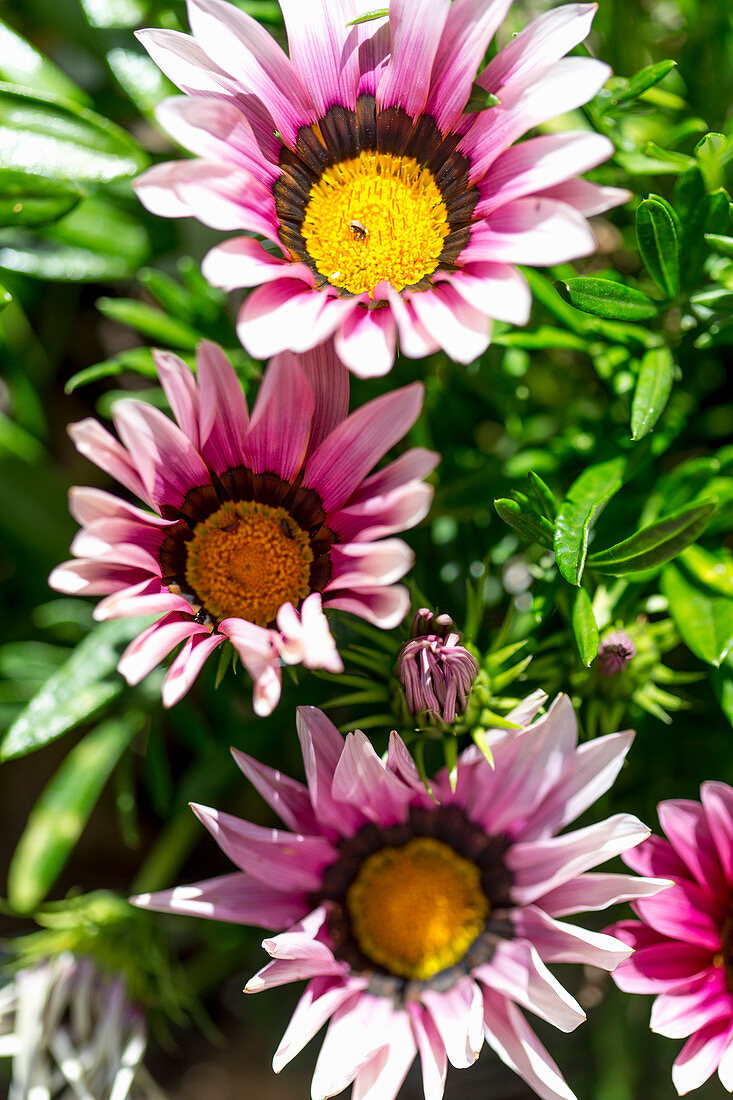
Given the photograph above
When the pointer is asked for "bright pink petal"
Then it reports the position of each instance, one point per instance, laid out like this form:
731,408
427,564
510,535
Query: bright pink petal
288,798
279,315
413,465
433,1060
188,664
324,50
253,58
495,290
366,342
657,858
516,971
675,914
558,941
512,1038
382,1076
322,746
278,433
367,564
358,1029
361,779
591,892
322,997
686,827
468,30
538,46
215,129
347,455
383,607
242,262
236,898
586,197
457,1015
179,386
224,416
256,648
296,862
700,1055
417,27
540,866
399,510
168,463
88,505
717,800
532,231
661,966
91,578
148,597
676,1014
458,327
414,340
306,638
284,971
100,447
153,645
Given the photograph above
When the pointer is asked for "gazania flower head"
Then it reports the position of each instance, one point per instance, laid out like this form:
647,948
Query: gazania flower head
435,670
258,522
424,924
684,940
388,205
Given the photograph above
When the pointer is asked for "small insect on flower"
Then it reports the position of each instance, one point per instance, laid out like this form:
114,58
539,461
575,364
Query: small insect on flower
359,231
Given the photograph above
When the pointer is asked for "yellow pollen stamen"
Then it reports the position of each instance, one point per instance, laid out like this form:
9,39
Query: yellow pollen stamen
376,217
416,910
247,560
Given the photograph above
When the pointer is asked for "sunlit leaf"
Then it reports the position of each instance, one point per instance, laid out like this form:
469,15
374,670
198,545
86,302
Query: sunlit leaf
579,511
704,620
653,387
655,544
656,234
609,299
585,628
528,524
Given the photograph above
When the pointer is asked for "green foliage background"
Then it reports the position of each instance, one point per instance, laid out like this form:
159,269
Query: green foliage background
609,415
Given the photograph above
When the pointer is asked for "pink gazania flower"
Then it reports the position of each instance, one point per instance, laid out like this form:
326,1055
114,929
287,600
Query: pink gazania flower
684,940
258,523
424,924
435,670
388,205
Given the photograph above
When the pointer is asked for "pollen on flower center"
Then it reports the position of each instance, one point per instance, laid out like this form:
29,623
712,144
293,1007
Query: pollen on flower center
247,560
416,910
373,218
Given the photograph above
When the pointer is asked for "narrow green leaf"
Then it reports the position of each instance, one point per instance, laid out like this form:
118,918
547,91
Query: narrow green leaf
481,742
606,298
528,524
585,628
32,200
643,80
705,621
135,360
76,692
720,243
480,100
59,816
543,496
653,387
578,512
21,63
653,545
657,237
150,322
369,17
45,136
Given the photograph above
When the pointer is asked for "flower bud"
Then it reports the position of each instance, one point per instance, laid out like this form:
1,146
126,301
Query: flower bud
436,671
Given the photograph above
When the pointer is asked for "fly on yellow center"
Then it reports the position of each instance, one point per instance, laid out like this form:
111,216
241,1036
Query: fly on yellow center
247,560
416,910
376,217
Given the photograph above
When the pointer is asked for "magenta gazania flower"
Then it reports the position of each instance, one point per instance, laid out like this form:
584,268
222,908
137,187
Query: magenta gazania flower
424,923
435,670
389,206
258,523
684,940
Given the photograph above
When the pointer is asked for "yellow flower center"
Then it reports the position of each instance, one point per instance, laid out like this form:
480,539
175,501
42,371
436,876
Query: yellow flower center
247,560
416,910
376,217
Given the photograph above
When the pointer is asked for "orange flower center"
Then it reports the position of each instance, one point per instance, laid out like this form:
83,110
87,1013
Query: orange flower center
247,560
416,910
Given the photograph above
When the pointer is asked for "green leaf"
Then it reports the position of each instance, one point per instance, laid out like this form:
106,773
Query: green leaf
528,524
480,100
149,321
543,496
653,387
643,80
95,242
655,544
720,243
21,63
32,200
5,298
713,571
135,360
76,692
705,621
369,17
59,816
606,298
44,136
656,234
578,512
585,628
